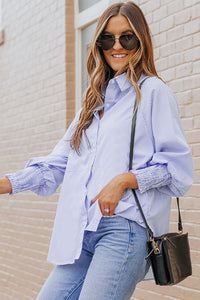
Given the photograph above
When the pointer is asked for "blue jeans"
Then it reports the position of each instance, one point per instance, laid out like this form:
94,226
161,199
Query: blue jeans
112,262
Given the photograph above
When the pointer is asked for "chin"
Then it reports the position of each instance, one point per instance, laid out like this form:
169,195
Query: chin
118,71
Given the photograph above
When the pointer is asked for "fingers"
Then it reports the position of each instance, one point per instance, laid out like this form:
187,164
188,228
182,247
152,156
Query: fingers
106,210
94,200
107,207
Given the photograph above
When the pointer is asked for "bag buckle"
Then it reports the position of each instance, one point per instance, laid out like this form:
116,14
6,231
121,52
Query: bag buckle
156,249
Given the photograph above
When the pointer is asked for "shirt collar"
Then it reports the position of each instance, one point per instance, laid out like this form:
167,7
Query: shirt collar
141,78
124,83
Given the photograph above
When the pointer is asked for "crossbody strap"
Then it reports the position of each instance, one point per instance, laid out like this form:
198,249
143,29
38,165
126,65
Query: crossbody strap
180,227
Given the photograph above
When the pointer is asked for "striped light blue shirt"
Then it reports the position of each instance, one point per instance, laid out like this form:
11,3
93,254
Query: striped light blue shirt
162,165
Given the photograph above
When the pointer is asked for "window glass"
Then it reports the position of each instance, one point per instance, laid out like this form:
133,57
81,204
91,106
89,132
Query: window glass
87,13
86,36
84,4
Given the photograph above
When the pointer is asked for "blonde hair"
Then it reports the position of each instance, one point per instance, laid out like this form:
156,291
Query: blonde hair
100,72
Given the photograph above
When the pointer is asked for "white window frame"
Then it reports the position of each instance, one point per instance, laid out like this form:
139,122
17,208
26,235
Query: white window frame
1,26
83,19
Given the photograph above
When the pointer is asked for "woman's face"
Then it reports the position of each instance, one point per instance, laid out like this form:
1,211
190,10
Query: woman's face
117,57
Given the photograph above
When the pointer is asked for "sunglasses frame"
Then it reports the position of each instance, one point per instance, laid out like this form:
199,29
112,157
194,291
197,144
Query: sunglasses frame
112,36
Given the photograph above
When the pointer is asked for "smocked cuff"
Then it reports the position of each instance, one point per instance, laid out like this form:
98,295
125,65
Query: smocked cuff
152,177
25,179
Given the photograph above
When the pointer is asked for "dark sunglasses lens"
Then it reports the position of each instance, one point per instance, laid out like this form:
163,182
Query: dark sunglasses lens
128,41
106,41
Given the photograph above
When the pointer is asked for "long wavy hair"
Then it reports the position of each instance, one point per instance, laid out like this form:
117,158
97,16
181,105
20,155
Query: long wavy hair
100,72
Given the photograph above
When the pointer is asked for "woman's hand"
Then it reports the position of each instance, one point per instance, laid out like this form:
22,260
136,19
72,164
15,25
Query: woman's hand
110,195
5,186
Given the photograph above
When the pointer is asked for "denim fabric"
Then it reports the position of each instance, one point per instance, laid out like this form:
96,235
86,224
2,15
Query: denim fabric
112,261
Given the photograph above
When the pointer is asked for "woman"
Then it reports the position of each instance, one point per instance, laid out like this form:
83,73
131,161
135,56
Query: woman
99,238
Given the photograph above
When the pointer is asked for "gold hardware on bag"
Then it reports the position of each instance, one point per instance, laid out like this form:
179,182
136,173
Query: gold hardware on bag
156,249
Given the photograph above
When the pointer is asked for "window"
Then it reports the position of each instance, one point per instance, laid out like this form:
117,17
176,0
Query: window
84,4
86,35
86,15
1,27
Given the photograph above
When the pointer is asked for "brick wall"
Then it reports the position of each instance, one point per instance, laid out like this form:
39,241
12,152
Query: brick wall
175,26
33,119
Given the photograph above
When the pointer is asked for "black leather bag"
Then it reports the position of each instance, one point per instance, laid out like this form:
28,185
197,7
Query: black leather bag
169,254
170,258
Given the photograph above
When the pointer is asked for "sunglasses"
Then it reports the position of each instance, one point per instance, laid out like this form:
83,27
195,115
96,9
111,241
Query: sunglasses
107,40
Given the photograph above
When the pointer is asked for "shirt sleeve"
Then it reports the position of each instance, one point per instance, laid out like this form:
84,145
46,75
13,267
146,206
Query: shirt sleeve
170,169
159,174
44,174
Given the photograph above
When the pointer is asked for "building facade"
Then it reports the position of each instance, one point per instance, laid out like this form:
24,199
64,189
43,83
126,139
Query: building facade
43,48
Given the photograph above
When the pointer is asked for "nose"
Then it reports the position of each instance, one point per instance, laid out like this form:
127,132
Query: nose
117,44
